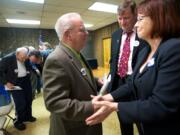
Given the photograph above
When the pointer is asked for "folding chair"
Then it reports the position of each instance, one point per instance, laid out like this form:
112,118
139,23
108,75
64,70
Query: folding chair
5,108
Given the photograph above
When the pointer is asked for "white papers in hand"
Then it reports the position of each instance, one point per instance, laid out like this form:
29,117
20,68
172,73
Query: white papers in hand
105,85
14,88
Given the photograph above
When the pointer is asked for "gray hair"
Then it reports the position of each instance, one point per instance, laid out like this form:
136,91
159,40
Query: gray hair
31,48
23,50
127,4
64,23
47,44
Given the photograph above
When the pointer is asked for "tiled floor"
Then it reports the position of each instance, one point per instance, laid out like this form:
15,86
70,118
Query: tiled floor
41,126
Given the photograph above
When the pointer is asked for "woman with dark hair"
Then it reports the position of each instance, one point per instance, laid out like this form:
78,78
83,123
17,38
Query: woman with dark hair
155,82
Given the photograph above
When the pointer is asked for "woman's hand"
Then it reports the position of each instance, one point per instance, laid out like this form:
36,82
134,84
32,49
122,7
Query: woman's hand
105,108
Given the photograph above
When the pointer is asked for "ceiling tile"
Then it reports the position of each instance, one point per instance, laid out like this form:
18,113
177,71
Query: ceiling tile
51,10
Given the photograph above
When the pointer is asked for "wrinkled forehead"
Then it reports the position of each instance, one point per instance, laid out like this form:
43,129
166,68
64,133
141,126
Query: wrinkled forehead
22,54
77,23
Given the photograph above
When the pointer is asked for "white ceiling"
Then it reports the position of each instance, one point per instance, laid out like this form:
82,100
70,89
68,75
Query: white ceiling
48,12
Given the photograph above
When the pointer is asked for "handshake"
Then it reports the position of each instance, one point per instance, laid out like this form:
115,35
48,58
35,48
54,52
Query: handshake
103,105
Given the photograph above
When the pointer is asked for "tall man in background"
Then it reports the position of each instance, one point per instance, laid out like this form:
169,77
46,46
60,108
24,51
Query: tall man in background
68,81
125,46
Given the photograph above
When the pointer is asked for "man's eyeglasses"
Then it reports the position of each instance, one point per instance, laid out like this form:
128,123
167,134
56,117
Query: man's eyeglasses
84,30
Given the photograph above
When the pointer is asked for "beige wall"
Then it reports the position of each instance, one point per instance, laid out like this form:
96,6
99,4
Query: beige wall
99,35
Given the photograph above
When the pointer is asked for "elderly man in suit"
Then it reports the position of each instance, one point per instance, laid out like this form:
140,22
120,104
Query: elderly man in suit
15,71
69,82
123,57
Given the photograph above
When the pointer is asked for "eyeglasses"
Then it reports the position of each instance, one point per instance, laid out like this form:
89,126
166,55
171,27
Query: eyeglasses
140,18
84,30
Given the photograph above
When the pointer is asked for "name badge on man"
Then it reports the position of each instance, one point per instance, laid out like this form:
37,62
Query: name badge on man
118,41
15,70
83,71
136,43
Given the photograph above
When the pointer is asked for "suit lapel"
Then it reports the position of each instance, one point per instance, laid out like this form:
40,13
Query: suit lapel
138,45
79,67
91,80
141,60
135,48
151,61
117,45
14,63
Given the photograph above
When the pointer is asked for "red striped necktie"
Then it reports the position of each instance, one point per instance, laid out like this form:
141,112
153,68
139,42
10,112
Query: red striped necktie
123,60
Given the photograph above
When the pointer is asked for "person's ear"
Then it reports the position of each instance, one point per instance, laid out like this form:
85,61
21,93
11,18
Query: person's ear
17,54
67,34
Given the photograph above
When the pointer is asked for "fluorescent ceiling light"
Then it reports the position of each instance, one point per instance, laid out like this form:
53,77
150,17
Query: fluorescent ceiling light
88,25
104,7
29,22
34,1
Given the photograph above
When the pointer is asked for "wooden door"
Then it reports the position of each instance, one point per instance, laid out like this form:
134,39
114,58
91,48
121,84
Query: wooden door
106,51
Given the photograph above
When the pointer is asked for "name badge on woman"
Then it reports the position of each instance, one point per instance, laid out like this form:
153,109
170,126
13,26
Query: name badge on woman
150,62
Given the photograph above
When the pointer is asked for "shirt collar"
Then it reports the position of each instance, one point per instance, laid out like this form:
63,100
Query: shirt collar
132,31
71,49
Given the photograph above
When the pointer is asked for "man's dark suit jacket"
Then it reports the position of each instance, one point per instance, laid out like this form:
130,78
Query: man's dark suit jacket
9,70
115,50
156,90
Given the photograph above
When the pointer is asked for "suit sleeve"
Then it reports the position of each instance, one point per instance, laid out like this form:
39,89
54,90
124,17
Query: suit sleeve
57,89
123,92
164,101
113,58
